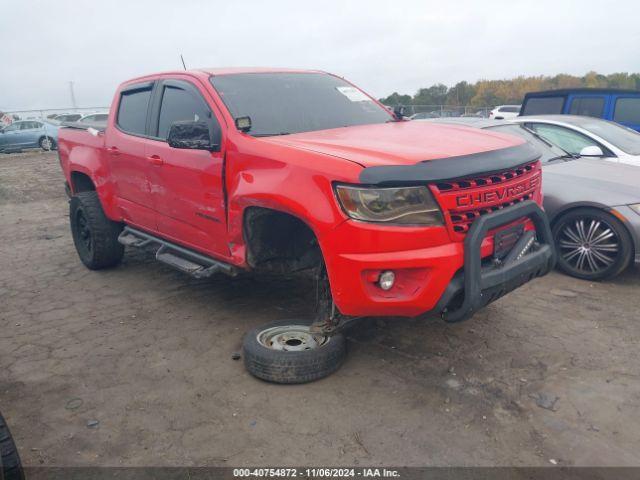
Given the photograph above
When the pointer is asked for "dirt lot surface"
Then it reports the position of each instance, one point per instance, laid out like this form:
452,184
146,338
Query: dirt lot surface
550,373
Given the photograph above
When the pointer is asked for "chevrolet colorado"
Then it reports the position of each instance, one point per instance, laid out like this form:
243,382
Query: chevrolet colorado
284,171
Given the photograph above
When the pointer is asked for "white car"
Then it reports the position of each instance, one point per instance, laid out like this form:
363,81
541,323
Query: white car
95,118
502,112
587,136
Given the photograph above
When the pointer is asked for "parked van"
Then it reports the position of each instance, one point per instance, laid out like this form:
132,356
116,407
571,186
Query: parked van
621,106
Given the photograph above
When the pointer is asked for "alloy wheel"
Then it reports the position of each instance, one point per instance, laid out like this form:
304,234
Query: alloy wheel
589,245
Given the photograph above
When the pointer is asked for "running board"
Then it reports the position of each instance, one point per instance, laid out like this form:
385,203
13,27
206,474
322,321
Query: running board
180,258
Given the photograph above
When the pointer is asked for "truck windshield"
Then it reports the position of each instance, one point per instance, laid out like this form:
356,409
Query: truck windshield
283,103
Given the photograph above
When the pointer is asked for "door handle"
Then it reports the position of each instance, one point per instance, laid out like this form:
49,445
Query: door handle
113,151
156,160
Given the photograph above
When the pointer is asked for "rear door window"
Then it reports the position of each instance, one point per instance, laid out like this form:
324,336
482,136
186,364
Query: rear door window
587,106
543,105
132,111
627,110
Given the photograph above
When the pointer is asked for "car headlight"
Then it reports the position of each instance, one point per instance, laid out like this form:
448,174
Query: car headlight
635,207
398,205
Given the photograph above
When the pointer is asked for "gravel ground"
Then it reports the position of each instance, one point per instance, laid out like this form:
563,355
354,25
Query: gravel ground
132,366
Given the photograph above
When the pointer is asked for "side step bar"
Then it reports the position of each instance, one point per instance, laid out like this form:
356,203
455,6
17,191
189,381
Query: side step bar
181,258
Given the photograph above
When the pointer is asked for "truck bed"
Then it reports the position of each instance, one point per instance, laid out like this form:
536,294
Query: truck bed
82,144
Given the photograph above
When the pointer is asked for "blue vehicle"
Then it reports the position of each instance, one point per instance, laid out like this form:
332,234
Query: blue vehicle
621,106
28,134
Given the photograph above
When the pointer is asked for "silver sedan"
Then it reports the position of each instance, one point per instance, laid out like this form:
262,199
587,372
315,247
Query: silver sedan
593,203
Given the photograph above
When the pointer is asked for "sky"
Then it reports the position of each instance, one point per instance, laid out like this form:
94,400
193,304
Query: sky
383,46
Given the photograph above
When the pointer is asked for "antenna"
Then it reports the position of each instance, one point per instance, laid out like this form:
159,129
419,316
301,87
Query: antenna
181,58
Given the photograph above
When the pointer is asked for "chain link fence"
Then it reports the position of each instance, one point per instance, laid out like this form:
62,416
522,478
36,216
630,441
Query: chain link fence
440,111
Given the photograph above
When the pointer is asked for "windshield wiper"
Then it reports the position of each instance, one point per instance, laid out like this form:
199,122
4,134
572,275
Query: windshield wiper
566,157
269,134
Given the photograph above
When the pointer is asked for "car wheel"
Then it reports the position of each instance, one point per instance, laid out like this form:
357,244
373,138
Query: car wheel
10,465
592,244
287,352
94,235
47,143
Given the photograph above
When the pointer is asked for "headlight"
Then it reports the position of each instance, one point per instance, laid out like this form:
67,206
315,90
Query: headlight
635,207
402,205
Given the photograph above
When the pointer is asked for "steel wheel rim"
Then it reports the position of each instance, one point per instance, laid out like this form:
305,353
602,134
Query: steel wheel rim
84,232
588,245
291,338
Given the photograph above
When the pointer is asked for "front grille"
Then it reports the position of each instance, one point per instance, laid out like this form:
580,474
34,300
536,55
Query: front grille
488,180
463,200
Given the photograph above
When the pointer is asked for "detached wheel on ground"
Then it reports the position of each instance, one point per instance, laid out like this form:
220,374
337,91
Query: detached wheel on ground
287,352
592,244
47,143
10,466
94,235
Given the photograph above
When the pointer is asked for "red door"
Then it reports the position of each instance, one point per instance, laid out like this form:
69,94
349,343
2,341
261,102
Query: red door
187,185
125,144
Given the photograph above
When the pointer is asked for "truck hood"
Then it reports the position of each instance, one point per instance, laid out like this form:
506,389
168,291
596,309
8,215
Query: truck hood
397,143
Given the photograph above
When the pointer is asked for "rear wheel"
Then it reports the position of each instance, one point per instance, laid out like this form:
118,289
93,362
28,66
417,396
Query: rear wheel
47,143
94,235
592,244
288,352
10,466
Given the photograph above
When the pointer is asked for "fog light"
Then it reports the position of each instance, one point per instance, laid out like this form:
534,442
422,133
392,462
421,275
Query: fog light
386,280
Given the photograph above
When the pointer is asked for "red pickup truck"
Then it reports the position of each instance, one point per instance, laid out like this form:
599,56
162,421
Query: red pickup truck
285,171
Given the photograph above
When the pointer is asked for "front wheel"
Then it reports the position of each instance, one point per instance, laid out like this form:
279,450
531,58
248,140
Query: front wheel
592,244
288,352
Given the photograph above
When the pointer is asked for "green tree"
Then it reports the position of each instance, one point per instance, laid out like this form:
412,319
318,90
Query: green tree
396,99
460,94
434,95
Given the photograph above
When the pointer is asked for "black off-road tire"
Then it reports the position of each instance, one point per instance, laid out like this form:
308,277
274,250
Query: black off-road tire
622,238
42,144
94,235
292,367
10,465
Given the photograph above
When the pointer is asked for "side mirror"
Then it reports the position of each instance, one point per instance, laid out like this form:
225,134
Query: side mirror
591,151
398,112
190,135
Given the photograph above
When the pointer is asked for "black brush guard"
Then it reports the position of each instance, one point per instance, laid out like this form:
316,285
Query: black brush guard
478,285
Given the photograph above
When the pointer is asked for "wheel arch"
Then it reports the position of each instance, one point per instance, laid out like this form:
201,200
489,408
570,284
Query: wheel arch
81,182
279,241
557,214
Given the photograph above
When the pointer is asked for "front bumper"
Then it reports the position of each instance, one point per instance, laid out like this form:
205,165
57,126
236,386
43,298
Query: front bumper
481,284
433,274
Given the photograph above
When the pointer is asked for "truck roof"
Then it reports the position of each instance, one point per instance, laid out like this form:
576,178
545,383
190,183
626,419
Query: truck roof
207,72
235,70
